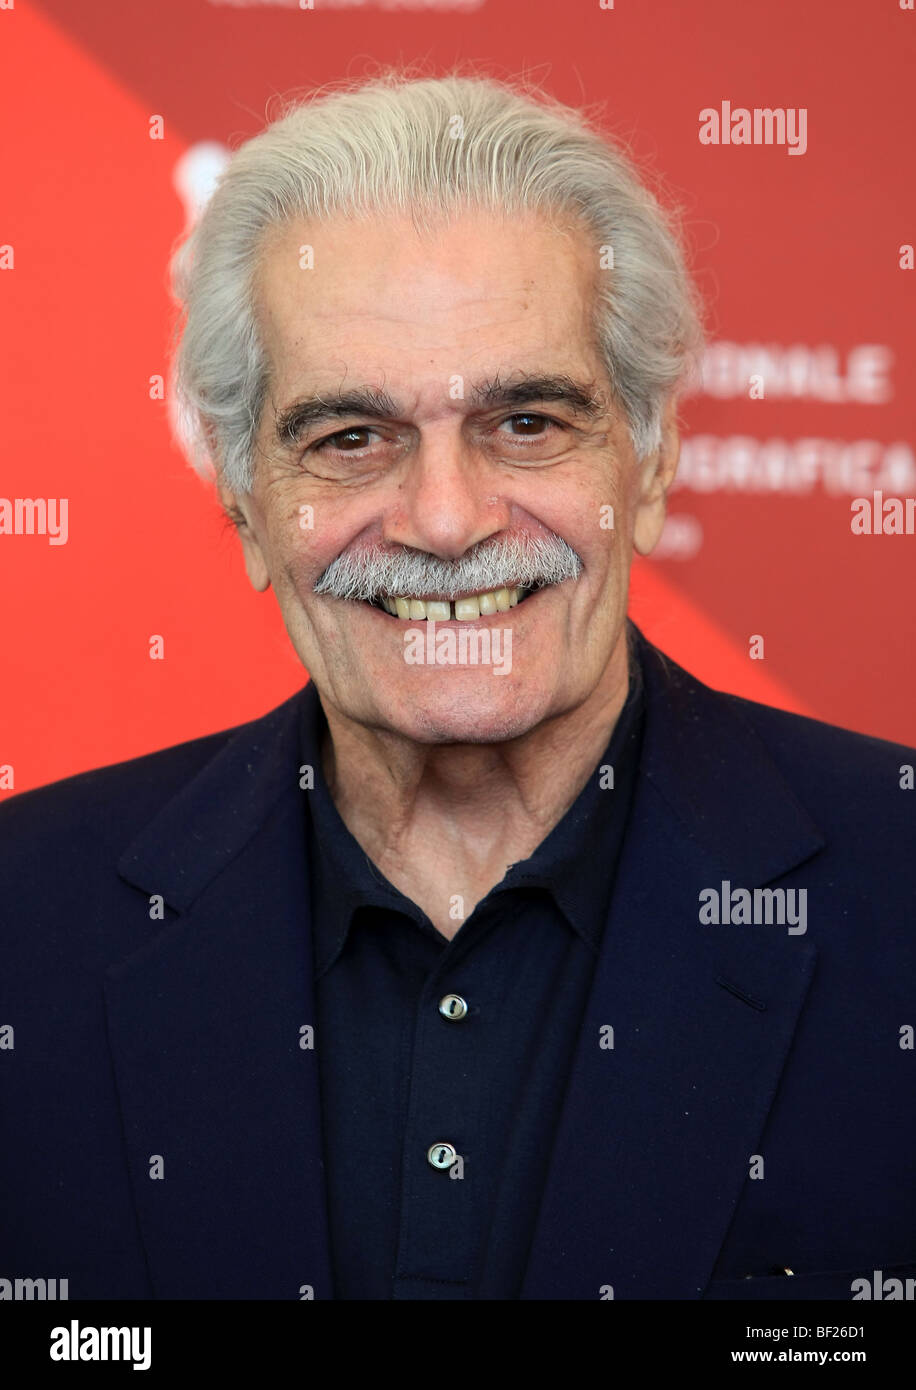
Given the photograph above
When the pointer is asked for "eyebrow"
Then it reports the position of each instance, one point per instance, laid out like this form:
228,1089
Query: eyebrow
581,398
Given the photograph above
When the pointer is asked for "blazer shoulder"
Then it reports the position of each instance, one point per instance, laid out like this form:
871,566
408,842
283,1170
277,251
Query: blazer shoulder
103,807
797,742
858,788
801,740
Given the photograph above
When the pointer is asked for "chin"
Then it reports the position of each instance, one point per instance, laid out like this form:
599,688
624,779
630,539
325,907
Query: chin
476,717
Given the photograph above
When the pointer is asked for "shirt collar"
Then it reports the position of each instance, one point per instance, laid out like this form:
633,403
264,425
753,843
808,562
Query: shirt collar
575,863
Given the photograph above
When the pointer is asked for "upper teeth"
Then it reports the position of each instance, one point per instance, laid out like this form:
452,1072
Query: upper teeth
462,609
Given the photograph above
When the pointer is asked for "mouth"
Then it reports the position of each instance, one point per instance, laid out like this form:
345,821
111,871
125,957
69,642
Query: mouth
470,608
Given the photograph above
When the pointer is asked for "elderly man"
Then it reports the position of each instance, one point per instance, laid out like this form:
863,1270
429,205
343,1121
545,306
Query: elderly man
506,959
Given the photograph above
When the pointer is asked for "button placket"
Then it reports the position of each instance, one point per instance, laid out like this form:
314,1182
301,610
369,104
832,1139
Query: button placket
441,1125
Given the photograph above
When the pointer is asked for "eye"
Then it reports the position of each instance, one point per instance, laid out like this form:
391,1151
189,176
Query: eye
341,435
529,416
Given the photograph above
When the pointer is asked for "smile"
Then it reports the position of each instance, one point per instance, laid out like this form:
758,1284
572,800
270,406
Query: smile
463,610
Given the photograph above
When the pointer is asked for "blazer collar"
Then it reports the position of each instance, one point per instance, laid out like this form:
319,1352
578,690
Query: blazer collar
214,817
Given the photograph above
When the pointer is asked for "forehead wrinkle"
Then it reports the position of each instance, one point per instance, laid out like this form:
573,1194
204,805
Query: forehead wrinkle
466,295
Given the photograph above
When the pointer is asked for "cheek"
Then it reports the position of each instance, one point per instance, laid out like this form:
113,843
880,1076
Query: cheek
589,507
595,528
301,548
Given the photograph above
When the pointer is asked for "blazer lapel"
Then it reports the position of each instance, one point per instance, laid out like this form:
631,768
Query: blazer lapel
220,1102
657,1132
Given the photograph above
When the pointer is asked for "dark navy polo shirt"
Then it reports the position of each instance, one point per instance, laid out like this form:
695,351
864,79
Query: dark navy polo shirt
399,1075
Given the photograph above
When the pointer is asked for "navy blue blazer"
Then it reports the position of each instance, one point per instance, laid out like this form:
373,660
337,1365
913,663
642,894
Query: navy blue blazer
161,1122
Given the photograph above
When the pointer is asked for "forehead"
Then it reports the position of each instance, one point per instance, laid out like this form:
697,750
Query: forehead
481,292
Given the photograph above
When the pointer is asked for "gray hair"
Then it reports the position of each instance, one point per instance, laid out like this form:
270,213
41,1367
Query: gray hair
388,144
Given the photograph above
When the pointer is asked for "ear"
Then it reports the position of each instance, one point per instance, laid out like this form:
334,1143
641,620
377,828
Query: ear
656,476
240,509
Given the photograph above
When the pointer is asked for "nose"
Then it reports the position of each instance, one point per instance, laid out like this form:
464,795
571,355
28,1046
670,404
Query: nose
447,502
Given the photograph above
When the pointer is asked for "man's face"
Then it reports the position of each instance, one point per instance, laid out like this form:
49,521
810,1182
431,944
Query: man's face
439,327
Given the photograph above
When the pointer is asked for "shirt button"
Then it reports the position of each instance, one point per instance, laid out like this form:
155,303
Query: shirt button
442,1155
453,1007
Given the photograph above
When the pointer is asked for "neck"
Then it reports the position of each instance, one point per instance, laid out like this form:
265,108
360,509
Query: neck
446,820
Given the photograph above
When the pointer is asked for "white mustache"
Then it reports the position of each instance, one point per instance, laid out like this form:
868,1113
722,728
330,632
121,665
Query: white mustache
519,559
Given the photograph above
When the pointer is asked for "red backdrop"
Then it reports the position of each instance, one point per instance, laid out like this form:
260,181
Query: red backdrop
797,254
